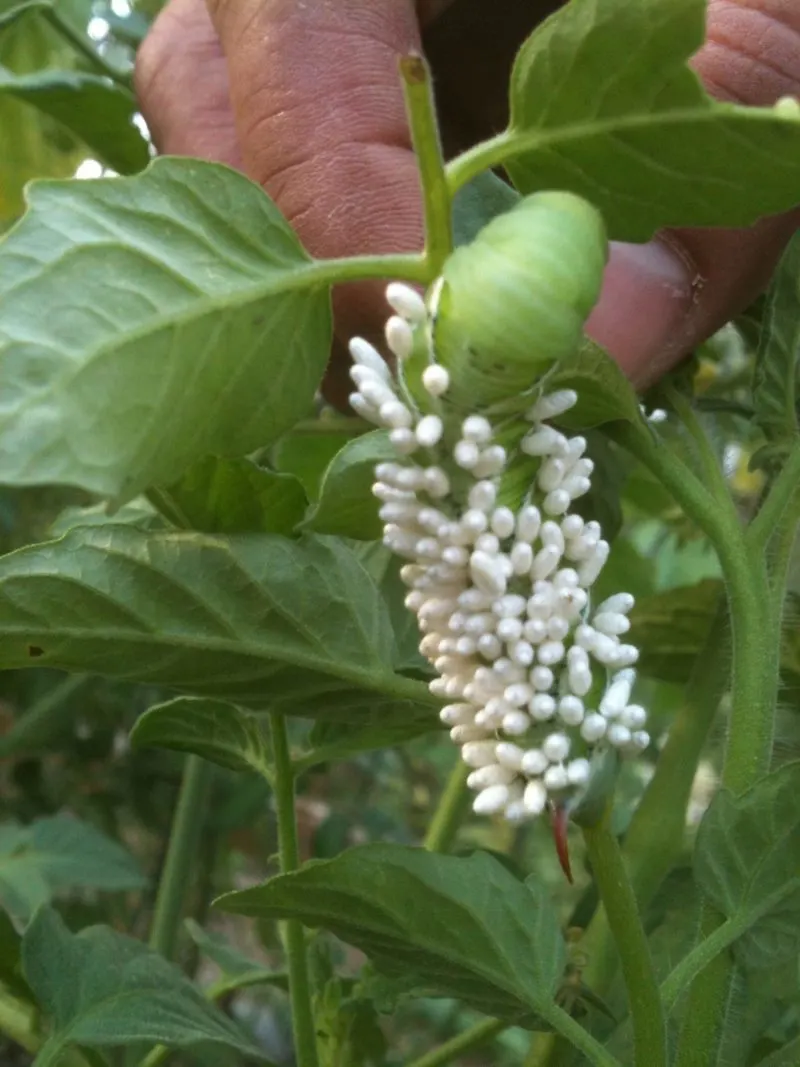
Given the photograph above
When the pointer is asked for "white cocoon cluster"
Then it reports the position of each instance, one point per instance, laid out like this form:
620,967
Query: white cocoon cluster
502,598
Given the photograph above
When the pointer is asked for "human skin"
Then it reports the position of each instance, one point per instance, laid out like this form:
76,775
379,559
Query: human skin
303,95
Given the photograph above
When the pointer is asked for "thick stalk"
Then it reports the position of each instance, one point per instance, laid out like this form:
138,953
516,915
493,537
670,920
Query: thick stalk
619,902
297,962
706,1008
453,805
657,831
178,872
471,1039
421,112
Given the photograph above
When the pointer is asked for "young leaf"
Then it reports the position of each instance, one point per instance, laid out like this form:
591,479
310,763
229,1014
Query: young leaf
604,393
477,203
254,619
308,455
604,104
238,970
670,628
333,741
105,990
96,111
217,731
346,506
462,928
55,854
746,862
182,316
775,387
233,496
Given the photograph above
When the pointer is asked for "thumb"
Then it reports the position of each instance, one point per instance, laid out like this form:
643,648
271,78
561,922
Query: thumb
661,299
321,122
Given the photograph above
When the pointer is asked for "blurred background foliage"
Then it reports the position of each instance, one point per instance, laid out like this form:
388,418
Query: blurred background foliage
84,819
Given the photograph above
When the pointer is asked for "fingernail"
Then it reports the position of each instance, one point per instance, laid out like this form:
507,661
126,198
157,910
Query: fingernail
645,306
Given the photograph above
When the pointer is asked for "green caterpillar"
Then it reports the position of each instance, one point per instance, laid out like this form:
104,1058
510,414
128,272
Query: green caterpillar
512,302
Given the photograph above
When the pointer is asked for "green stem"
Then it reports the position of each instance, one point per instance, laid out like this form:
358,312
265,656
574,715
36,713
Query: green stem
403,267
782,493
343,424
453,805
437,205
706,1008
297,962
713,477
84,47
561,1021
187,827
699,958
34,728
18,1021
474,1037
616,893
657,831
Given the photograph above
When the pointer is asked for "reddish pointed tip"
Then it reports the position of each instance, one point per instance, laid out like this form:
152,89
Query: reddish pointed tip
559,820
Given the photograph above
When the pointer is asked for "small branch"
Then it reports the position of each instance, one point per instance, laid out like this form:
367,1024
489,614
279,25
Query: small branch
453,805
616,894
408,268
782,493
303,1025
421,111
712,472
706,1007
178,872
575,1034
471,1039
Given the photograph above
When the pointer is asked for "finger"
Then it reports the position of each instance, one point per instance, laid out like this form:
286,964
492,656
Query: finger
661,299
320,117
182,85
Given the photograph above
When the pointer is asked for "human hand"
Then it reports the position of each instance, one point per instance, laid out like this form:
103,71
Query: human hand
309,104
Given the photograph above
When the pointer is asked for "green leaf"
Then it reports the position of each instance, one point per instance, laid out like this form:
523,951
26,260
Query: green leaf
11,959
254,619
105,990
181,310
307,455
346,505
239,971
94,109
59,853
477,203
746,862
671,628
462,928
138,512
604,104
604,393
27,7
775,389
234,496
334,741
217,731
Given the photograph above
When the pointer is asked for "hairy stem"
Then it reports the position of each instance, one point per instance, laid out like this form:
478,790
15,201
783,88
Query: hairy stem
471,1039
781,495
453,805
706,1007
656,834
184,840
421,112
297,961
619,902
577,1036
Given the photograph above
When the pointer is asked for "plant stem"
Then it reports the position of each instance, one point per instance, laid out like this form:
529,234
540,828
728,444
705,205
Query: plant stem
187,827
453,805
297,962
705,1011
713,477
563,1022
18,1021
421,112
781,494
85,48
404,267
656,834
352,426
25,736
474,1037
616,893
